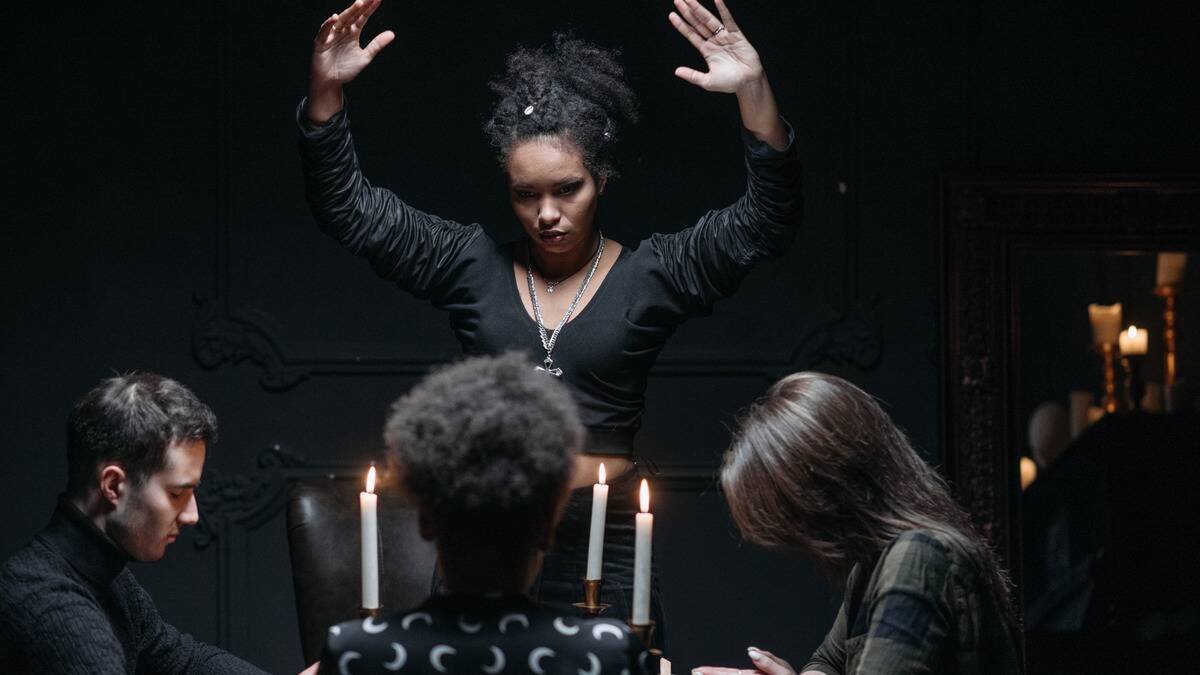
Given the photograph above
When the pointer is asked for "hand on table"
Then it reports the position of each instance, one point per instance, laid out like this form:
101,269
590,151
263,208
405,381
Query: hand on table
765,663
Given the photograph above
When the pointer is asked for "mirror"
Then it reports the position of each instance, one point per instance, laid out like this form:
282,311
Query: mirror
1110,451
1098,543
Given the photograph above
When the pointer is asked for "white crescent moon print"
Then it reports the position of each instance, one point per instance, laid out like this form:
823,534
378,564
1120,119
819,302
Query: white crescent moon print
498,665
600,629
520,618
562,627
437,653
398,662
535,658
468,627
369,626
407,620
593,667
344,662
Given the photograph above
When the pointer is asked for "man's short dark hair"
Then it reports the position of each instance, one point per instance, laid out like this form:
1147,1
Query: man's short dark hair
131,420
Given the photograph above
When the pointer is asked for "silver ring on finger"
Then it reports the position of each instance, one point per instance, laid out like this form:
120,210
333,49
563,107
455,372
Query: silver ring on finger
718,30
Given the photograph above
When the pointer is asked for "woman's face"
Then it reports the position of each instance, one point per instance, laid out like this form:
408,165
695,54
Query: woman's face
553,194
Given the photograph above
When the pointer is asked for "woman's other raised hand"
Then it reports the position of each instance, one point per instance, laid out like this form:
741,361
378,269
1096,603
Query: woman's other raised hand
732,61
338,57
733,67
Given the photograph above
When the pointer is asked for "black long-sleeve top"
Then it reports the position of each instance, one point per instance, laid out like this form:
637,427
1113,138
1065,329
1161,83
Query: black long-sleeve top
607,349
493,634
69,605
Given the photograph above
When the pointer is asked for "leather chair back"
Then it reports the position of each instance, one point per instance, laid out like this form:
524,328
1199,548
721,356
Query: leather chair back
323,537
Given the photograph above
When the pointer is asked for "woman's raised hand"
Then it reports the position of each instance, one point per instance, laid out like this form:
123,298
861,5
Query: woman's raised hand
732,60
338,57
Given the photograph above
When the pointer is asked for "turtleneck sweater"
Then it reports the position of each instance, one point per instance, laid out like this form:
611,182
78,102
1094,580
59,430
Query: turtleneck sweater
69,604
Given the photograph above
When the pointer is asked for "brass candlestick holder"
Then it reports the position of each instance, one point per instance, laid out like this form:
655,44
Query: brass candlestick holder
591,605
370,612
1168,292
1108,351
644,632
1135,386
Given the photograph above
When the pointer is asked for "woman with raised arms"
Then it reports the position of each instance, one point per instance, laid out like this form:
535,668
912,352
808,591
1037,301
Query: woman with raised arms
589,310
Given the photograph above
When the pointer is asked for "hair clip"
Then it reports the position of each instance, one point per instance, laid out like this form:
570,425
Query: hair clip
529,109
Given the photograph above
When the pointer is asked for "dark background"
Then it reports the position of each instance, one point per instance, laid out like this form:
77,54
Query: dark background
154,196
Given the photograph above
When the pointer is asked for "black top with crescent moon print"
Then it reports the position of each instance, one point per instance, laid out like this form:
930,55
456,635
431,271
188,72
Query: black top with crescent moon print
607,349
486,634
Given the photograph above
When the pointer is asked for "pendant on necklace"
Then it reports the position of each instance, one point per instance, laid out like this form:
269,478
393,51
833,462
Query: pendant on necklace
549,367
551,285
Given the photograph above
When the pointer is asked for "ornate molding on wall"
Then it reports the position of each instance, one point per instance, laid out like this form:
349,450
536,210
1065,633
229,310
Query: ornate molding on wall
854,337
219,337
226,499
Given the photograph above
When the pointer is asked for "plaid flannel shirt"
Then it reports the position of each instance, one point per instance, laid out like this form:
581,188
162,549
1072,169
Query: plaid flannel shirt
926,607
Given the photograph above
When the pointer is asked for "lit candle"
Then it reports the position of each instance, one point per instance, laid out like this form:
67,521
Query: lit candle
1028,472
1170,268
370,543
1106,323
1133,341
596,538
641,560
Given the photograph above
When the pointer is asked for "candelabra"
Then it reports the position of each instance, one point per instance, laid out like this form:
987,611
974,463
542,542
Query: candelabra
1108,351
1168,292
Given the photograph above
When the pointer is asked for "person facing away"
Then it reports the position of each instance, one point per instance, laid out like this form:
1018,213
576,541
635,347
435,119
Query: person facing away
68,602
486,449
818,466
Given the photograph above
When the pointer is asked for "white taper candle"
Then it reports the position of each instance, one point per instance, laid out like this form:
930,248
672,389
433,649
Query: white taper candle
1170,268
1106,323
595,557
1134,342
641,559
367,503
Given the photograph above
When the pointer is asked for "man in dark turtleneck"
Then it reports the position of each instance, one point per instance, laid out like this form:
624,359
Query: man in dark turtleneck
68,602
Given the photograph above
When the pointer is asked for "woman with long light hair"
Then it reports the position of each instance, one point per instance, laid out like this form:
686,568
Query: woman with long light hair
817,466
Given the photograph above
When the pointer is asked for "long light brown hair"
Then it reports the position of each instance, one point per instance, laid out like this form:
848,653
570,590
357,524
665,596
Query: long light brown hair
817,465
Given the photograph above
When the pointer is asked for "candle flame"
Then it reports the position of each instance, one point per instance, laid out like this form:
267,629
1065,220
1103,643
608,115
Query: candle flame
371,480
1132,331
645,496
602,474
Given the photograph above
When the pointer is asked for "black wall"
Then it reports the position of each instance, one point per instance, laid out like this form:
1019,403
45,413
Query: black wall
154,198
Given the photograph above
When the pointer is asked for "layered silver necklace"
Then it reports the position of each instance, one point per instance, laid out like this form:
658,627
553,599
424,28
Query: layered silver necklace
548,342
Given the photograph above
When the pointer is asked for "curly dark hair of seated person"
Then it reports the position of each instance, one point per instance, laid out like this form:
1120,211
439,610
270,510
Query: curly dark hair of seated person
575,91
131,420
486,444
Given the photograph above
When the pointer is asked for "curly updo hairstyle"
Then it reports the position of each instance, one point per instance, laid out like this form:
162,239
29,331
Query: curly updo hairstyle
487,445
574,91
